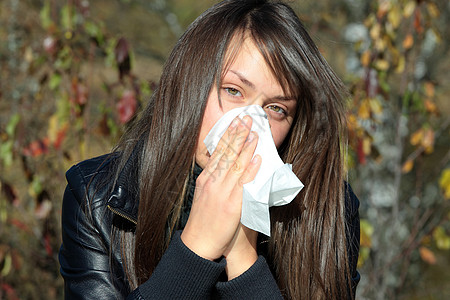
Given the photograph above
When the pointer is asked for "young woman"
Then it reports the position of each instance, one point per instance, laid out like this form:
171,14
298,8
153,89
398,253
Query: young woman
159,217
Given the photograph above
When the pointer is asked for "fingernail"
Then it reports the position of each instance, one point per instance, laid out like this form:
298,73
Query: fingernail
251,137
234,123
255,159
247,120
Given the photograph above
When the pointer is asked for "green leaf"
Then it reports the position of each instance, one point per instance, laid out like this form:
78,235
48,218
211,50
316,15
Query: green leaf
94,31
35,187
441,238
145,89
63,107
11,126
110,59
66,17
7,265
55,81
113,127
64,60
6,152
45,15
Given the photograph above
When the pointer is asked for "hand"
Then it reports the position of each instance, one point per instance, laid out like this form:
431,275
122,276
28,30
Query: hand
241,253
216,209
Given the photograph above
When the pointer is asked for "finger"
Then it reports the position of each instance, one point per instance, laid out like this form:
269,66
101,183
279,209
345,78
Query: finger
250,172
222,146
244,158
234,148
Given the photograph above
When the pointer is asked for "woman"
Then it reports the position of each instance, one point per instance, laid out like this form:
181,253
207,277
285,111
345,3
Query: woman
159,218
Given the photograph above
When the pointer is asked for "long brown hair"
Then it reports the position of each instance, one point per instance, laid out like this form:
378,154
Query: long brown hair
307,248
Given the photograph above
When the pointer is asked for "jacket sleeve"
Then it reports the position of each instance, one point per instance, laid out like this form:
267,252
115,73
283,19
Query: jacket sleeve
89,269
84,258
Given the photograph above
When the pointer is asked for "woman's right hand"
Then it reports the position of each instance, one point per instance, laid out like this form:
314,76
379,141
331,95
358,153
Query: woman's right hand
216,209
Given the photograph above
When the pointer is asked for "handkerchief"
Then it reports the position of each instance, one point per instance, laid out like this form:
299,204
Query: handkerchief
275,184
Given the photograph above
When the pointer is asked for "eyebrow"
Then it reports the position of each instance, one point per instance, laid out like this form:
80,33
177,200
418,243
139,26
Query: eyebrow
244,80
253,87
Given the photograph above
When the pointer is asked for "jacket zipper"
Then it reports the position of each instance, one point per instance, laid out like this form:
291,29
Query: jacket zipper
121,214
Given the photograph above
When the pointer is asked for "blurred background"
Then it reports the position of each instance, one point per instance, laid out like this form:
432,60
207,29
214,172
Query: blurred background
73,74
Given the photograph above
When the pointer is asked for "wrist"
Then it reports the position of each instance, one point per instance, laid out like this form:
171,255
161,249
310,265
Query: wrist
239,263
199,247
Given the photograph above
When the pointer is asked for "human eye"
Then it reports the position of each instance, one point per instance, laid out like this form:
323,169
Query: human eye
233,92
276,109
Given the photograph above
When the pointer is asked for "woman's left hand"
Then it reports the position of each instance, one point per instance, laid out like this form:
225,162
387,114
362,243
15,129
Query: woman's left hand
241,253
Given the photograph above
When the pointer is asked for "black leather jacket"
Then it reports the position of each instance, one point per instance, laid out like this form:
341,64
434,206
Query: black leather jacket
90,210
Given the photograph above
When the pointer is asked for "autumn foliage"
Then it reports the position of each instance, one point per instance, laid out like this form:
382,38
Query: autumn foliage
70,86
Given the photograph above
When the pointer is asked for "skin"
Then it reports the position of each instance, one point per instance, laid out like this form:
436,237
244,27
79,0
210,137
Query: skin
213,228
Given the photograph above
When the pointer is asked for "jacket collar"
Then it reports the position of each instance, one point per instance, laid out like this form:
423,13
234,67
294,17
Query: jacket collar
124,203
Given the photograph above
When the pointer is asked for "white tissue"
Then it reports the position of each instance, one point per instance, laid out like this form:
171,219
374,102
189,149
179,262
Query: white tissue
275,184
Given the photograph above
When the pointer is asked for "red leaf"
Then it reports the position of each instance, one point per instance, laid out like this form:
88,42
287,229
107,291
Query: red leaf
79,92
37,148
418,22
360,152
10,292
127,106
47,245
20,225
60,137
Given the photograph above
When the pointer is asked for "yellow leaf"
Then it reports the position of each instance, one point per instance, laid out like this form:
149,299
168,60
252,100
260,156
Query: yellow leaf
382,64
444,183
436,35
427,255
429,149
395,16
430,106
380,44
408,42
416,137
441,238
428,138
366,233
364,110
400,65
365,58
409,8
352,122
384,7
53,126
375,31
28,55
367,145
407,166
376,106
429,89
433,10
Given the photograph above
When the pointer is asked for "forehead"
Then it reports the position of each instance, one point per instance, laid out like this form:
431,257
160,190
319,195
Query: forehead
243,46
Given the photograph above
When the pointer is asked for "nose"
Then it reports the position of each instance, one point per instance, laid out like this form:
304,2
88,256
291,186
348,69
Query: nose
259,100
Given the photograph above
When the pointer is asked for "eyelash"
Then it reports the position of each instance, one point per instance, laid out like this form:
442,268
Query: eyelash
229,89
274,108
